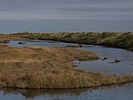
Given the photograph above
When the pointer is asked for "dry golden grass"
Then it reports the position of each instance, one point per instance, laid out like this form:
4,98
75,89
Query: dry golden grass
6,38
44,67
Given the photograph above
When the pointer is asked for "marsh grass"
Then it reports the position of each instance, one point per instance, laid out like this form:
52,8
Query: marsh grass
5,38
108,39
44,67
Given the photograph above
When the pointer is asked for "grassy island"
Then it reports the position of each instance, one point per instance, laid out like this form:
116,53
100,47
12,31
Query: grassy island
44,67
109,39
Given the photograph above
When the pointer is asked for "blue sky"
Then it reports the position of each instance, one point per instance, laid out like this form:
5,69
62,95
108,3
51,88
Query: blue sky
66,15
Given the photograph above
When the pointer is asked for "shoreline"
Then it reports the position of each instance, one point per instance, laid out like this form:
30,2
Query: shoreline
122,40
91,87
107,39
54,63
50,68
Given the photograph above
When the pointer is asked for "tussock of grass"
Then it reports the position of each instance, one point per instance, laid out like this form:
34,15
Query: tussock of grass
43,67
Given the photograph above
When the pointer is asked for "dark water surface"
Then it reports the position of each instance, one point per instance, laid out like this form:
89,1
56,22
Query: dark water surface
108,66
37,43
125,67
123,92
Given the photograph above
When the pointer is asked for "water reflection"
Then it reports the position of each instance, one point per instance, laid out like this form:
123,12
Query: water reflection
28,43
124,67
121,92
72,94
32,93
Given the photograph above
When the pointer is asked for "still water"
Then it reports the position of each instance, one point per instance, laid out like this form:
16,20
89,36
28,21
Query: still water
37,43
108,66
123,92
124,67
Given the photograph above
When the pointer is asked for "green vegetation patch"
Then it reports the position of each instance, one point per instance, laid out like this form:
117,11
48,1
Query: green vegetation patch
109,39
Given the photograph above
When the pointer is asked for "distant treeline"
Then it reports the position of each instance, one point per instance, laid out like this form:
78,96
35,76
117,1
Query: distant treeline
109,39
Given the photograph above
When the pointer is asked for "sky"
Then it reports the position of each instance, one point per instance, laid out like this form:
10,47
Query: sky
62,15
